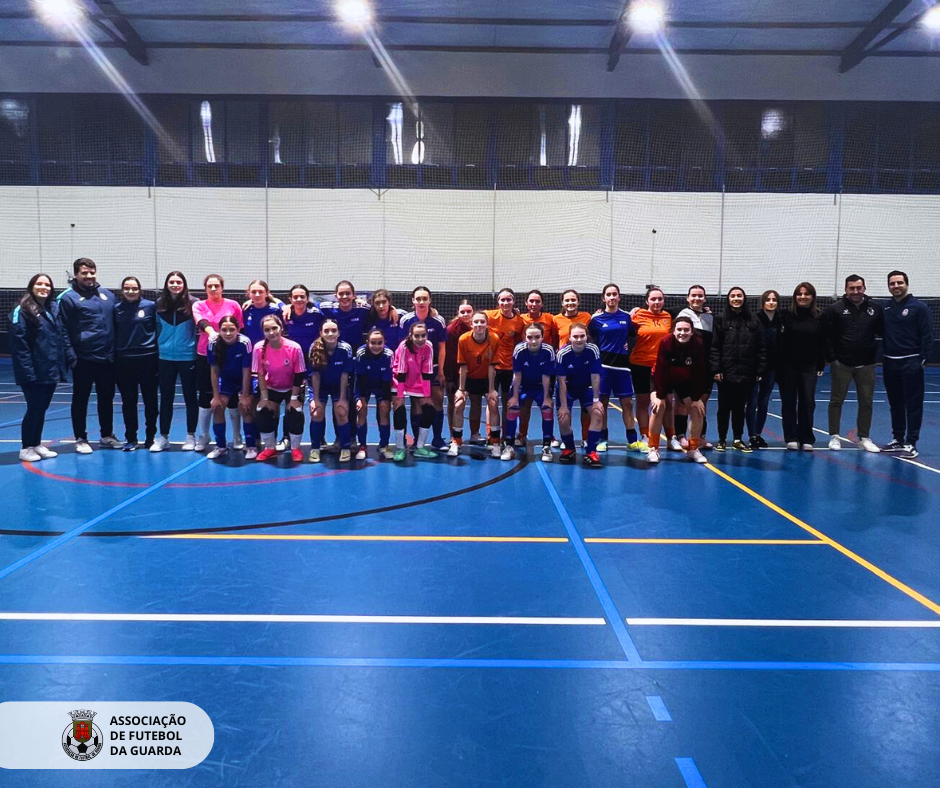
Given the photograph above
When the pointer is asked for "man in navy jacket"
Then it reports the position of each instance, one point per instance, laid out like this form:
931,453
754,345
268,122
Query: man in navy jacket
907,339
86,319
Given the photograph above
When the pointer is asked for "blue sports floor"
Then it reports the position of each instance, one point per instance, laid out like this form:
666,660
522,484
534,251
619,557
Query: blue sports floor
766,621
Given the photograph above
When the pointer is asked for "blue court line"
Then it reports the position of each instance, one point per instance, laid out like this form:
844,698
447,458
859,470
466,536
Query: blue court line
690,773
69,535
610,609
466,664
15,422
658,707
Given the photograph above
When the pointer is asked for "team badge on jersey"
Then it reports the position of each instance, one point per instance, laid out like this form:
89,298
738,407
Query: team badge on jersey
904,313
870,311
141,313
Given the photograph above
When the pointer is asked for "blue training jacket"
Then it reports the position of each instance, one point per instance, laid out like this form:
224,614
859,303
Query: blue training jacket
86,323
136,328
36,348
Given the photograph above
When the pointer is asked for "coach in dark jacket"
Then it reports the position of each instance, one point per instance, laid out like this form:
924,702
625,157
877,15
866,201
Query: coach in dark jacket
38,360
908,332
738,360
851,324
86,313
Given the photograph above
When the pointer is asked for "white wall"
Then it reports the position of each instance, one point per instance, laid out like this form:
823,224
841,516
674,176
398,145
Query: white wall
471,240
39,70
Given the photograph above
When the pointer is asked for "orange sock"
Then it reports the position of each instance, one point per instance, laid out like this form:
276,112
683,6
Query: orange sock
670,432
694,443
653,440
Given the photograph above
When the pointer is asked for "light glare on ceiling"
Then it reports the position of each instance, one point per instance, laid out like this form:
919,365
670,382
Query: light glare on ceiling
59,11
354,12
646,17
931,19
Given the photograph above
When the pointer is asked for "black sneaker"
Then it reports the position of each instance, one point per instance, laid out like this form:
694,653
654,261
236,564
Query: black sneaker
758,442
894,446
908,452
568,456
591,460
721,446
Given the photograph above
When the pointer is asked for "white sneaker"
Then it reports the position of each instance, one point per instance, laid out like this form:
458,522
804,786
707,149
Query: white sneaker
674,444
46,454
546,454
834,443
283,444
793,445
202,443
190,443
159,444
696,456
556,444
388,452
344,455
218,451
251,453
454,449
314,455
508,453
495,451
869,445
110,442
808,447
602,446
652,456
83,447
361,454
238,443
29,454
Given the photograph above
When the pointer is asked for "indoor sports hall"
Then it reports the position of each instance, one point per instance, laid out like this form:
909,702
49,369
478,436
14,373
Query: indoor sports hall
766,619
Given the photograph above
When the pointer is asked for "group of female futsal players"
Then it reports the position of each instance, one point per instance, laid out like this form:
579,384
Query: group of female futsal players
248,359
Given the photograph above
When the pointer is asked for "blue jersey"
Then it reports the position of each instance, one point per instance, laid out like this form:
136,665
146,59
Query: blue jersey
305,328
577,368
237,357
533,365
342,360
253,316
437,330
610,331
373,372
352,324
391,330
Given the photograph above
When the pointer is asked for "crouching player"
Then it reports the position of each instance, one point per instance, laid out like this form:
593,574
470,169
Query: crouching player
229,358
374,378
533,363
578,371
679,371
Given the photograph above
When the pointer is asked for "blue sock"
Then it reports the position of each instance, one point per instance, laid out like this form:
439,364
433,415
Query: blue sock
593,439
385,432
219,430
631,436
251,434
362,434
511,425
547,429
343,433
317,433
568,441
438,425
605,435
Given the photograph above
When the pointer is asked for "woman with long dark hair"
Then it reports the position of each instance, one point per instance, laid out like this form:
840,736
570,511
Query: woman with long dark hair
137,367
770,317
38,360
802,361
738,360
176,351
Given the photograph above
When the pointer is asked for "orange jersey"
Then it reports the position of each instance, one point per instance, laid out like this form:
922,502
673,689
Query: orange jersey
550,333
650,331
477,356
563,325
511,331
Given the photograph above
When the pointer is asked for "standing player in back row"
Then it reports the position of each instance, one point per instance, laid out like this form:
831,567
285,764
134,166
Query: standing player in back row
437,337
509,327
610,331
533,364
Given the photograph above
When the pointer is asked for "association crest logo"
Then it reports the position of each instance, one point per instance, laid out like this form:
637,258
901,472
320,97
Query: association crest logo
82,740
904,313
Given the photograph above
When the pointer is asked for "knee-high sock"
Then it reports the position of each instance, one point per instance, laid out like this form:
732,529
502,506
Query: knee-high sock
343,433
384,433
594,437
235,417
251,434
219,430
205,417
438,425
362,434
317,433
547,429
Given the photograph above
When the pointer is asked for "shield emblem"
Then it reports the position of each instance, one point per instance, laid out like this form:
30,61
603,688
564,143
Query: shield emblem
81,730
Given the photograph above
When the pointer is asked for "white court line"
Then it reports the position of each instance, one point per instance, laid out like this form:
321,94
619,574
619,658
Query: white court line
893,457
782,622
237,618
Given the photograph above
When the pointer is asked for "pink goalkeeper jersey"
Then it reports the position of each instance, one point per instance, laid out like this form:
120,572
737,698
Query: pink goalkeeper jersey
415,366
213,314
278,365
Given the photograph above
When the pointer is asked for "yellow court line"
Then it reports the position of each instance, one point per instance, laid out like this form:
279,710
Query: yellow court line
362,538
599,540
906,589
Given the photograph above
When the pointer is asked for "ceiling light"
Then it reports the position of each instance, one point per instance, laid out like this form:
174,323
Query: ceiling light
355,13
59,11
931,19
646,17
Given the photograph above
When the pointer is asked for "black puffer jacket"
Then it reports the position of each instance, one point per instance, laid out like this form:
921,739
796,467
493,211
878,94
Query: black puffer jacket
738,351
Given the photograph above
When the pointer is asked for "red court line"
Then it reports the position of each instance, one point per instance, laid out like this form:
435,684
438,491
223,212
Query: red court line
31,467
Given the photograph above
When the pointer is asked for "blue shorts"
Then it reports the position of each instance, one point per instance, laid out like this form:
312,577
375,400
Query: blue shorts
616,383
532,395
382,393
230,387
325,393
584,396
